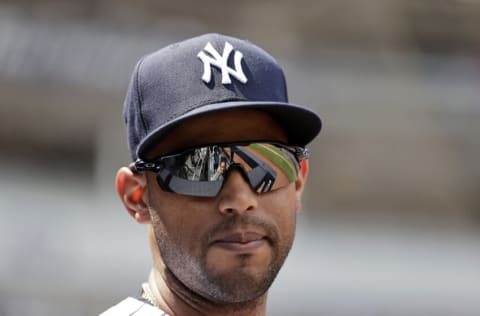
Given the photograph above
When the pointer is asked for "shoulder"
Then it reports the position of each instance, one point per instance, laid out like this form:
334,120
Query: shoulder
133,307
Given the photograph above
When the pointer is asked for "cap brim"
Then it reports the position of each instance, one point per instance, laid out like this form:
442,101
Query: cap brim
299,123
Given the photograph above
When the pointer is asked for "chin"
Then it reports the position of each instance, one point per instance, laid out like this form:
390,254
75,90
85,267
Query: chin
241,285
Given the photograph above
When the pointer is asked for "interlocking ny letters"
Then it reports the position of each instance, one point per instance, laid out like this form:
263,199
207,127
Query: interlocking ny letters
221,62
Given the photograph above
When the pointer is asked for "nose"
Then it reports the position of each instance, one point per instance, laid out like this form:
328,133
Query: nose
236,196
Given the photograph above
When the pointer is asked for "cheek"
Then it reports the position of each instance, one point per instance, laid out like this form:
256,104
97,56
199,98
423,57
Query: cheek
177,220
281,205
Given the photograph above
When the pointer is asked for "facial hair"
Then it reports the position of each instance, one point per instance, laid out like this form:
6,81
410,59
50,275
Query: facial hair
195,273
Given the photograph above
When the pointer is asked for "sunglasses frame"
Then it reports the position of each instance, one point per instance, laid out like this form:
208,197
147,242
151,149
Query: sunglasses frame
261,177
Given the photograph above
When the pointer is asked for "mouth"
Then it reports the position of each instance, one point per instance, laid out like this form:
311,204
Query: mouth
244,241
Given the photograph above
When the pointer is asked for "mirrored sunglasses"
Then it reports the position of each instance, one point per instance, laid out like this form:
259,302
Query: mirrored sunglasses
201,171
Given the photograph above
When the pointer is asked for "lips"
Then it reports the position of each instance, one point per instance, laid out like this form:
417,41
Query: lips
244,241
241,237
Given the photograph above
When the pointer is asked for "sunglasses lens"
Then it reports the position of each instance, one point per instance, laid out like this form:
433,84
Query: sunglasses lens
201,171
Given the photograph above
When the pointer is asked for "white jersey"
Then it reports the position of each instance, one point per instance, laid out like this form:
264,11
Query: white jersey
133,307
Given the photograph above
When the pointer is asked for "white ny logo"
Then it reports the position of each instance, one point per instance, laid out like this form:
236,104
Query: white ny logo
221,63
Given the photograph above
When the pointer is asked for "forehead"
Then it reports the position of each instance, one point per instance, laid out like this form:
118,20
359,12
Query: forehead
220,127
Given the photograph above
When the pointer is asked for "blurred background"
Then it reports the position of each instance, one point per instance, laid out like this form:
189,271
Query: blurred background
391,218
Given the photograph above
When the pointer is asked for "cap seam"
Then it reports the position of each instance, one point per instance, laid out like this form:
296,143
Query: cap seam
140,96
284,79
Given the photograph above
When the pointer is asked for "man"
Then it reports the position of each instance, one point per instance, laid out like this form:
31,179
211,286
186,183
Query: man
217,242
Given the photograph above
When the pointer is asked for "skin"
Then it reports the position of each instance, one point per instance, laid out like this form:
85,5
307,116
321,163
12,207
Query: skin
197,269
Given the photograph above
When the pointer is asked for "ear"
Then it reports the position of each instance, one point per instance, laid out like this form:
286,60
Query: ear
300,184
131,188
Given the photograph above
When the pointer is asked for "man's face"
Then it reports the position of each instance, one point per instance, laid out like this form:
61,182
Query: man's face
230,247
221,168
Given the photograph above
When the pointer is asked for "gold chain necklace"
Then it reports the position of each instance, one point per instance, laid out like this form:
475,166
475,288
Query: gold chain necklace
148,295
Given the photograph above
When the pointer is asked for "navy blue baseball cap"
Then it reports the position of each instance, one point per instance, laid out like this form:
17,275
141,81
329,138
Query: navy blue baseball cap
208,73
